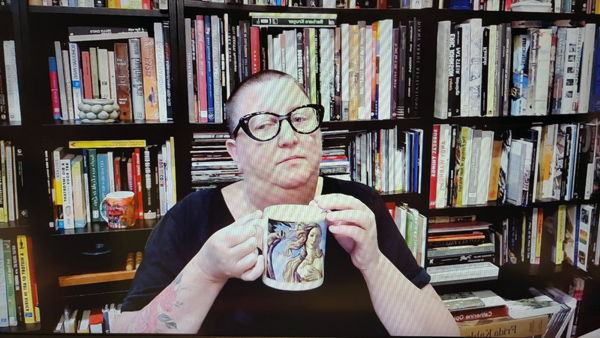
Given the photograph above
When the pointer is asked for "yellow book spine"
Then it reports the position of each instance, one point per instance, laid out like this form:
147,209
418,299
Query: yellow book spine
26,287
112,4
560,233
540,225
464,134
107,144
354,69
504,327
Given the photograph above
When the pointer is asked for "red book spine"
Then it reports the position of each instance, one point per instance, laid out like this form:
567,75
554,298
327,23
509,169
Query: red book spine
476,314
117,165
87,75
201,66
53,89
146,4
391,206
434,159
255,49
138,184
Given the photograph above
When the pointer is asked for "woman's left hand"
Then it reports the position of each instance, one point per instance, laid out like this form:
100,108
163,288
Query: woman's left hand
353,225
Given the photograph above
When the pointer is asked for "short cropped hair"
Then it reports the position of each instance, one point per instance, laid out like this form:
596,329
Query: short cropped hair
231,106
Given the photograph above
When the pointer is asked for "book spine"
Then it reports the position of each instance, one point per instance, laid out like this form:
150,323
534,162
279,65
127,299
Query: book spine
149,79
159,50
87,74
138,184
137,80
33,282
12,82
123,83
433,183
54,88
441,75
25,280
75,79
67,191
216,67
168,67
205,76
10,283
94,185
94,72
3,292
103,73
189,67
103,183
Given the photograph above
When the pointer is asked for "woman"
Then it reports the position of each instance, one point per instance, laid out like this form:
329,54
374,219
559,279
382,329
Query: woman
308,265
201,264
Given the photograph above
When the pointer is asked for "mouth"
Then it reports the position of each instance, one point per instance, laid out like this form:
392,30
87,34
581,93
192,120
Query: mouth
291,158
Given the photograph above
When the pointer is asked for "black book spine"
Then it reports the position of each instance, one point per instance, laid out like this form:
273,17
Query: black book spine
408,94
416,100
168,76
485,46
457,70
233,57
99,3
400,94
3,95
300,56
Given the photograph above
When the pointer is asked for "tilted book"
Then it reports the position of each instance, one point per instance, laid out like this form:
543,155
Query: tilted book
149,79
123,83
137,80
12,82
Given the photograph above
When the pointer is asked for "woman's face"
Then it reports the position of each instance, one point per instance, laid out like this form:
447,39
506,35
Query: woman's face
314,236
288,160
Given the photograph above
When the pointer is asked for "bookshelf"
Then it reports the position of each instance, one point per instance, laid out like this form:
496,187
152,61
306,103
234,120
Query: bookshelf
68,276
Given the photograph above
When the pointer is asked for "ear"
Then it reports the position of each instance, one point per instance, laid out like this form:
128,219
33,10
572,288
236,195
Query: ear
233,152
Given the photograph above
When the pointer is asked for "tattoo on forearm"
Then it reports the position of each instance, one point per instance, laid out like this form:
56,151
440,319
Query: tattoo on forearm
152,318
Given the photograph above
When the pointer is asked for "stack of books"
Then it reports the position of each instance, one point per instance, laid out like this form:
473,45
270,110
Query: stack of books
211,163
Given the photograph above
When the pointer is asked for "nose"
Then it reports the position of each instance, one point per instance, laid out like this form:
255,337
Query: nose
287,136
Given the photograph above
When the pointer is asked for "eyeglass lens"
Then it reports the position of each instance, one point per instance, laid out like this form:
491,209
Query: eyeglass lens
266,126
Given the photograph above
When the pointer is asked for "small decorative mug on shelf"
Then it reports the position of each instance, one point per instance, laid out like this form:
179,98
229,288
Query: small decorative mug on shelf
118,209
98,110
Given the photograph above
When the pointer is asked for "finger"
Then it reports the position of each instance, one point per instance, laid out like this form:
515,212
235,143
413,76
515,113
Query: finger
355,217
247,262
260,233
242,221
256,271
248,246
339,202
353,232
235,236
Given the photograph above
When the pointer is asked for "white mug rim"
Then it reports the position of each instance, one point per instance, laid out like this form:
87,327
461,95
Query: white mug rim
119,194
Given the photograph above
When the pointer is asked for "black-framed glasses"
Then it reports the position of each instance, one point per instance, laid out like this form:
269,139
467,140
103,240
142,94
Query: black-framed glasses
265,126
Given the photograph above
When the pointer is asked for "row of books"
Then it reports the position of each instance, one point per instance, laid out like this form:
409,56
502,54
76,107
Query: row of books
12,195
515,69
413,227
483,313
96,320
122,4
361,82
556,6
10,106
18,286
380,4
211,163
571,229
388,160
551,162
460,248
78,182
135,74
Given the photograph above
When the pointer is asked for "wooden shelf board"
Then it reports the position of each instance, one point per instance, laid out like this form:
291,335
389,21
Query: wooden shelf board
92,278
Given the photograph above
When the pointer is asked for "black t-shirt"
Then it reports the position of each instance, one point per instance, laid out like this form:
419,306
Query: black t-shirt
340,307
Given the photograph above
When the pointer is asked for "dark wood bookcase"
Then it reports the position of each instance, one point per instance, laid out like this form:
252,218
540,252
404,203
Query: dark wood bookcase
97,248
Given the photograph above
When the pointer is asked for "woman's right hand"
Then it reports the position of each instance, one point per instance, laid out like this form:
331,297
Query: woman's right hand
233,251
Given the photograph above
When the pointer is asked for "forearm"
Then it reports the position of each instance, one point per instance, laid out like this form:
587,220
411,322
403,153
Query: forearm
405,309
180,308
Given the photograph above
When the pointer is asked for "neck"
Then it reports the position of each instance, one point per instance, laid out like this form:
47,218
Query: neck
259,200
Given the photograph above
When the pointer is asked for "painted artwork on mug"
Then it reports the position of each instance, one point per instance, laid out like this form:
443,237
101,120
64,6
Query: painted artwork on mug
295,251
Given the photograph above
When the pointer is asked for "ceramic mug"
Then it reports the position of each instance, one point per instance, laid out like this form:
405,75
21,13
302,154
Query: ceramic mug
118,209
294,246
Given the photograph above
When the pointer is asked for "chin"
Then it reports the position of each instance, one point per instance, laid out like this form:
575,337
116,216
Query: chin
292,179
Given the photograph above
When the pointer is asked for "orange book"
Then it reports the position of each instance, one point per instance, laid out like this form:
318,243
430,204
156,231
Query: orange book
34,292
150,80
495,174
87,75
138,184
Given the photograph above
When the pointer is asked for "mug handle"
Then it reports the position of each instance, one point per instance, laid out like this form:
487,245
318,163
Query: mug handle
104,210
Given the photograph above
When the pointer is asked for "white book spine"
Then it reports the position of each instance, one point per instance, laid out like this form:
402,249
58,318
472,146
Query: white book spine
12,82
103,73
586,67
124,4
276,55
110,170
492,65
475,68
368,71
67,191
159,51
163,4
61,80
536,166
69,114
161,182
543,71
569,89
385,70
467,165
440,109
485,166
75,78
345,32
464,75
225,33
216,56
113,75
326,61
137,84
270,46
291,57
